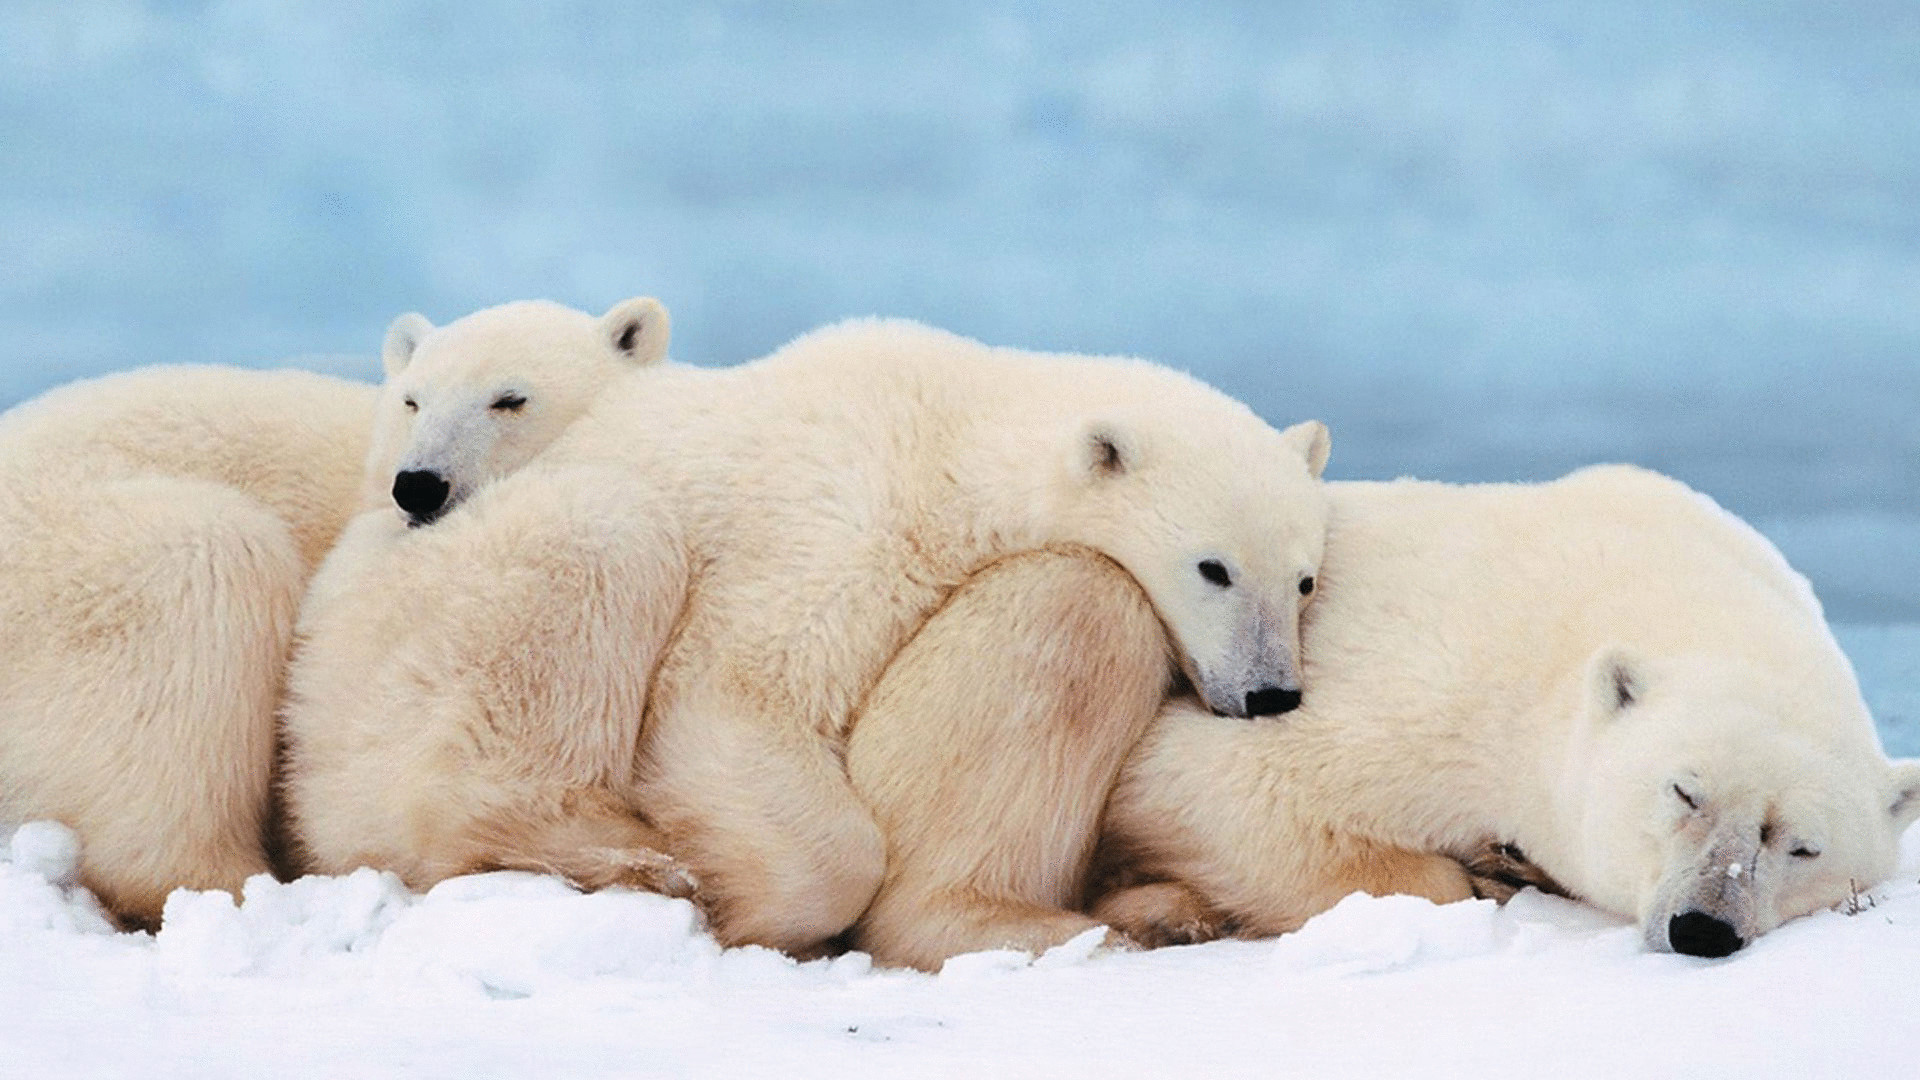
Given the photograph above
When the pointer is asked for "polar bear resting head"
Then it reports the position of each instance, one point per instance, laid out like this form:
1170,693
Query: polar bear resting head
1229,560
469,402
1723,819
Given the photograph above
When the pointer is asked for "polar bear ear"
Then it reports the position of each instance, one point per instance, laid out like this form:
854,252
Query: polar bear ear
1615,681
404,335
637,329
1311,439
1906,794
1107,449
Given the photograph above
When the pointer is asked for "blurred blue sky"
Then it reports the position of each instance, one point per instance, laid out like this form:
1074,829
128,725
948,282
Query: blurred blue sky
1483,240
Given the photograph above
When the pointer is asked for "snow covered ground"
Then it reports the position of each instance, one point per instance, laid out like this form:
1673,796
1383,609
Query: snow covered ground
516,975
513,975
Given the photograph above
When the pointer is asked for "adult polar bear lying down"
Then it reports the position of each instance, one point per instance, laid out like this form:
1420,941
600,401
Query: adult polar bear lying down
740,552
1609,671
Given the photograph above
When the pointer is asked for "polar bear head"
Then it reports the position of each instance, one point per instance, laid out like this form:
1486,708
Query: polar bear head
1718,801
1222,521
476,399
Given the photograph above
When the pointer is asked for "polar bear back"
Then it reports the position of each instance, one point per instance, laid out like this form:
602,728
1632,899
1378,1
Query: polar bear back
291,439
1467,568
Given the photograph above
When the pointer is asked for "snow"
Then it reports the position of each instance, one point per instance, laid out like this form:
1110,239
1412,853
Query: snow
513,974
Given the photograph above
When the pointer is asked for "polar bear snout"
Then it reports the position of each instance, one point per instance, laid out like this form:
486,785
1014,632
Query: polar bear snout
1259,673
1269,695
421,494
1696,933
1272,700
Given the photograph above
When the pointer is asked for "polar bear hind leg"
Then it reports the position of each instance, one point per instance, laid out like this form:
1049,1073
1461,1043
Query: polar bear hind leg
151,618
989,746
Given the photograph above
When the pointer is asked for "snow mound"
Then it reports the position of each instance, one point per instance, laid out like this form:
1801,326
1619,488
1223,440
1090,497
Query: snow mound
38,890
49,849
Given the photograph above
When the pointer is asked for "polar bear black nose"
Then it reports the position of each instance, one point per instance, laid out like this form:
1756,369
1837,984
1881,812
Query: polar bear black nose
1272,701
421,493
1697,933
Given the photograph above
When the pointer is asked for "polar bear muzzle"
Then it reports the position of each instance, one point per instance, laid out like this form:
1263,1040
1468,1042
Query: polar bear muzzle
1696,933
1272,701
421,494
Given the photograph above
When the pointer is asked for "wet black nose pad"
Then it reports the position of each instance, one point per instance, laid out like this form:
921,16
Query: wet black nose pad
1697,933
1272,701
420,492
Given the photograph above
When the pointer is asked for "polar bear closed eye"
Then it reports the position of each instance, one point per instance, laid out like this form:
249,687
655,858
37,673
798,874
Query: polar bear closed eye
1723,813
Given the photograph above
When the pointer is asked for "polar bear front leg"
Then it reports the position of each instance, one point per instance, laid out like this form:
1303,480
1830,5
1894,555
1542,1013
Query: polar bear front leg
988,748
469,695
1235,812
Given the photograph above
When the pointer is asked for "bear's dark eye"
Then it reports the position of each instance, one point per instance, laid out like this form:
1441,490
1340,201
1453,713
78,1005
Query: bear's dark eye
509,402
1306,586
1804,852
1216,573
1681,794
412,405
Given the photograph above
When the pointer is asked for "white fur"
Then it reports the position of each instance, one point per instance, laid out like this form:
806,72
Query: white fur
1550,666
762,541
473,401
158,527
437,410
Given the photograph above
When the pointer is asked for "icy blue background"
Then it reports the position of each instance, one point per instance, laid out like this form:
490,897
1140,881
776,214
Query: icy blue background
1483,240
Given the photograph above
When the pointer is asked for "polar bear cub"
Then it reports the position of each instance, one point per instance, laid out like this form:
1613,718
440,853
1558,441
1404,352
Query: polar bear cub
463,406
1609,671
162,526
470,402
740,553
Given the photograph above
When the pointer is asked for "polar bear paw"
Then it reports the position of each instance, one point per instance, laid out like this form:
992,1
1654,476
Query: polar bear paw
1162,913
643,869
1499,870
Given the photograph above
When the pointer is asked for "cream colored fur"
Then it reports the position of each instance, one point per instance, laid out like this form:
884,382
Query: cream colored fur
1563,666
762,541
158,528
987,766
472,401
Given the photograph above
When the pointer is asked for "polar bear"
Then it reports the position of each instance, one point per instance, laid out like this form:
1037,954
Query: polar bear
1608,671
740,553
159,527
462,406
470,402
